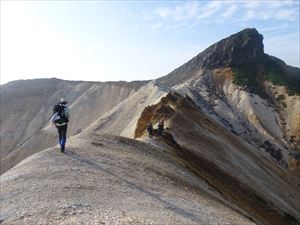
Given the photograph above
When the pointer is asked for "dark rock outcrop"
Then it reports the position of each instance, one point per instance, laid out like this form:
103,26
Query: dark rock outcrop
241,48
245,46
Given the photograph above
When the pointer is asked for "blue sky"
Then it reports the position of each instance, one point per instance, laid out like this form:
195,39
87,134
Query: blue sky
132,40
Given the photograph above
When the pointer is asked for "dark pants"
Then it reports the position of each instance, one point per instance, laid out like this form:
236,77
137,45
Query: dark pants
159,131
62,135
150,132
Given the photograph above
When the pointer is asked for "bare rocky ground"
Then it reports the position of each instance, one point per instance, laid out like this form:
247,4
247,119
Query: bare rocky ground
104,179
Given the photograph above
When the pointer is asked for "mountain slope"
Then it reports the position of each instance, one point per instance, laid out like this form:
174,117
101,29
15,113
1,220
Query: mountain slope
197,173
110,180
245,176
27,107
122,119
250,93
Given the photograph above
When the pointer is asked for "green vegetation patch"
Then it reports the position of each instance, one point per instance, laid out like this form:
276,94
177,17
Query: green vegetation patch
245,75
275,77
278,76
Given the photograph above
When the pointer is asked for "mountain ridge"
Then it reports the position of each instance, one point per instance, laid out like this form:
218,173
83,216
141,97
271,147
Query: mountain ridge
112,180
221,131
245,46
212,89
239,49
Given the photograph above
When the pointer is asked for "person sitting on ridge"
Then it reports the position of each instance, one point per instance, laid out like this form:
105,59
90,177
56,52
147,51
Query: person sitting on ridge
60,118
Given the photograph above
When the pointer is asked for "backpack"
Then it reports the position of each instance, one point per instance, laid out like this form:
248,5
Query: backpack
160,125
60,114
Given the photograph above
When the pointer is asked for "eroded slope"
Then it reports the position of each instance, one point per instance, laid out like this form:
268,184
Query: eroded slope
103,179
246,176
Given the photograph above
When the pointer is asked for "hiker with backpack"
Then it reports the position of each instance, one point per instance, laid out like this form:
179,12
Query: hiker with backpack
60,118
150,129
160,127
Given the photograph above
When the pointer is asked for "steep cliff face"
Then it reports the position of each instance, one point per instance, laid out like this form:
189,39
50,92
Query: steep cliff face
225,161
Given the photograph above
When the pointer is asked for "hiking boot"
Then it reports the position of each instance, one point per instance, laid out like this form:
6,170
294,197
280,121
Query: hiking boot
62,149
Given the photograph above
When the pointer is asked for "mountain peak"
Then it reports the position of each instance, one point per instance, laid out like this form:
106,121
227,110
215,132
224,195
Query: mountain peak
245,46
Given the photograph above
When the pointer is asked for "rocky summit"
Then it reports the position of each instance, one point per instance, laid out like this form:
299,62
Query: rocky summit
243,47
229,153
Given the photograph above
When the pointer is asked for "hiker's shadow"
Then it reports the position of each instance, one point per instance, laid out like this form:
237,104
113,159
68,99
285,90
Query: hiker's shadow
171,206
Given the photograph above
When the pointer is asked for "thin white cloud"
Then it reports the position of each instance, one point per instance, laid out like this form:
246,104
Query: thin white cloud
252,4
189,11
184,14
269,10
264,15
280,4
275,4
218,11
287,14
272,14
230,11
249,15
273,28
209,9
180,12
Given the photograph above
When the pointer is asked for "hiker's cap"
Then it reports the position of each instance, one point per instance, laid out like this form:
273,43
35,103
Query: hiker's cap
63,101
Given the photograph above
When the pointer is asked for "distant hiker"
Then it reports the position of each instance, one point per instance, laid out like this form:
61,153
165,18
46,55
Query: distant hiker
150,129
61,116
160,127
